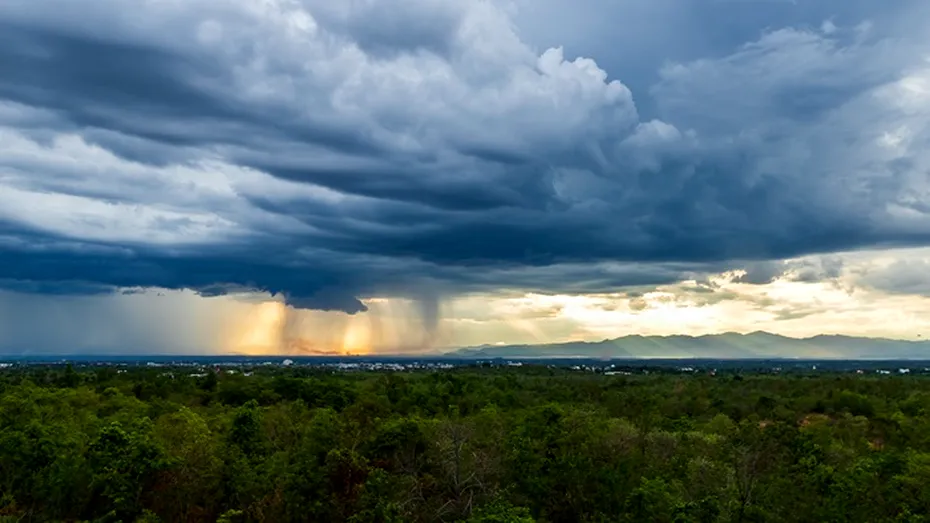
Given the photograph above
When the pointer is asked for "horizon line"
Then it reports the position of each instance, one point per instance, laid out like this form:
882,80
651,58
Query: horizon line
454,352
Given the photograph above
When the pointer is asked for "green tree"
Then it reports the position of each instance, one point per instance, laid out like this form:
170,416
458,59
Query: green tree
125,464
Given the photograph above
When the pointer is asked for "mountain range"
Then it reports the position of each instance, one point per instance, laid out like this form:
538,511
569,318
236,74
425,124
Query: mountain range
717,346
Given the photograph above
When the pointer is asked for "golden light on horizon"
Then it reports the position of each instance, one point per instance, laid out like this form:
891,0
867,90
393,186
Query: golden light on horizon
261,330
395,325
357,337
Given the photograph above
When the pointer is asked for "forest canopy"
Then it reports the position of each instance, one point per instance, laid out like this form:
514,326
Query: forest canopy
476,444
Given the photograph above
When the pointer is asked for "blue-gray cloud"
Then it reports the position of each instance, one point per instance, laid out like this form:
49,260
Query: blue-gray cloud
328,152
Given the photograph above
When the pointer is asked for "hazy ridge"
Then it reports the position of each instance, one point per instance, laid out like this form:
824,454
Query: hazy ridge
728,345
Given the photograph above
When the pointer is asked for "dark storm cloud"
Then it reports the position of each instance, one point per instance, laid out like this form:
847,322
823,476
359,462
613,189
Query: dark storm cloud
385,29
102,84
211,275
330,152
148,93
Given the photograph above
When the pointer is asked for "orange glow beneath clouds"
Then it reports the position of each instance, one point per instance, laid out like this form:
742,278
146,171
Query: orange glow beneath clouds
260,332
263,330
393,325
357,338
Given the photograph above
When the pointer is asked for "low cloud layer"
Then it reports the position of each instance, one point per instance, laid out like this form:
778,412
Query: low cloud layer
331,152
868,293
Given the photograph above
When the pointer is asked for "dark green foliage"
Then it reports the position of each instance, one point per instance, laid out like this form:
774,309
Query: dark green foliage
478,445
499,511
125,465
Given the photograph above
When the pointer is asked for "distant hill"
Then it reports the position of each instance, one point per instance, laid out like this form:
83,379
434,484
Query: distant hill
717,346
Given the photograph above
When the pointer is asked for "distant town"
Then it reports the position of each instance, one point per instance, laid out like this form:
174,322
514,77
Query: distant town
198,366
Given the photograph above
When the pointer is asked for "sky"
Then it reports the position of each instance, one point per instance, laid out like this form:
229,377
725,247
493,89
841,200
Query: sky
401,176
